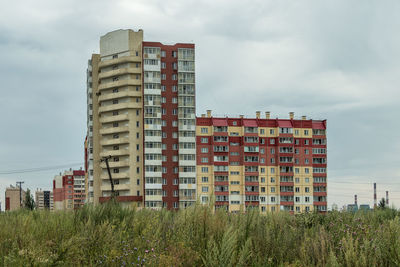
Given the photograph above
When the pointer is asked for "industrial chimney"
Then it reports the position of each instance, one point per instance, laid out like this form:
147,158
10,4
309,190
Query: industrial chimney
355,200
387,198
375,195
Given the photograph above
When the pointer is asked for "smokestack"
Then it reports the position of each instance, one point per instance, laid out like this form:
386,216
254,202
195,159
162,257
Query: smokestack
374,195
209,113
291,115
355,200
303,117
258,114
387,197
267,115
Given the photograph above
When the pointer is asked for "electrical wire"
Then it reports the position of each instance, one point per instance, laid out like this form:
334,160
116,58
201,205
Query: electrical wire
40,169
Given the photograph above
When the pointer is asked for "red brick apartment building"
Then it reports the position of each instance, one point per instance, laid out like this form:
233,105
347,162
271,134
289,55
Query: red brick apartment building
69,190
263,163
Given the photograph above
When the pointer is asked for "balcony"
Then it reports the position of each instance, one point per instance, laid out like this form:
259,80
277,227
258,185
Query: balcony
113,107
122,94
183,197
120,83
119,60
120,152
121,175
119,187
115,164
115,141
107,119
112,130
118,72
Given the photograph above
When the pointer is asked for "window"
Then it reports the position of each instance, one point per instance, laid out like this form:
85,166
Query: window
262,189
262,131
115,170
297,180
115,101
297,189
204,179
115,124
204,169
163,76
272,170
163,65
306,133
163,54
307,199
204,189
306,189
272,132
307,180
137,123
204,150
272,150
174,77
204,130
296,132
204,140
204,160
307,170
272,200
273,189
296,170
272,180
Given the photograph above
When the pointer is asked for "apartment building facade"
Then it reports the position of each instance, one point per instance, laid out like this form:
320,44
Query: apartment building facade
69,190
14,198
141,118
44,200
263,163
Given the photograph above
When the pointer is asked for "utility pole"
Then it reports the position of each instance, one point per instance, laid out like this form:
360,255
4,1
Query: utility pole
20,192
105,159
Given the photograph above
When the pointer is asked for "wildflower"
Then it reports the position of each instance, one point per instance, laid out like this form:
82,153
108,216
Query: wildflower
146,251
152,249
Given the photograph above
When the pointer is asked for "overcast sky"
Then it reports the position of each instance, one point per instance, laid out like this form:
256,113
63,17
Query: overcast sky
334,60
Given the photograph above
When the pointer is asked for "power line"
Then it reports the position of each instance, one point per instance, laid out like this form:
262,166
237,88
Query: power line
39,169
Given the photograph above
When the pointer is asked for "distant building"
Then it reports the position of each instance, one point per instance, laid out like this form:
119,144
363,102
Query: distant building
12,197
69,190
365,207
44,200
352,208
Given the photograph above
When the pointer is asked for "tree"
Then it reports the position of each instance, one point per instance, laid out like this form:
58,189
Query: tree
29,203
382,204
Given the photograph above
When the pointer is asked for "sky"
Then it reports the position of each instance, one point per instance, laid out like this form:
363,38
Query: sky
334,60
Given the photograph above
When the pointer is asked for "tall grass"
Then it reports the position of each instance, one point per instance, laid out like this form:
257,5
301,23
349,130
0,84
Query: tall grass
108,235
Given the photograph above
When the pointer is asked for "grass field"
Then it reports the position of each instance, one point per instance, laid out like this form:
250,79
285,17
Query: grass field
111,236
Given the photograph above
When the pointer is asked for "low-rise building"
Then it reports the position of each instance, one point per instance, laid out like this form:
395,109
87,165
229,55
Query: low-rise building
14,197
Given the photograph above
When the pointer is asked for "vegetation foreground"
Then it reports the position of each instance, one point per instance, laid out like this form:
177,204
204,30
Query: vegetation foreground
111,236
